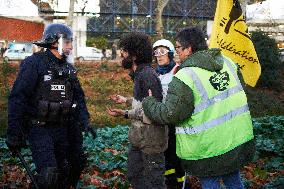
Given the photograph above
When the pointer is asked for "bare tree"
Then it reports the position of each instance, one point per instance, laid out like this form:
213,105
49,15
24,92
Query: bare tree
46,9
69,19
243,4
161,4
84,5
45,5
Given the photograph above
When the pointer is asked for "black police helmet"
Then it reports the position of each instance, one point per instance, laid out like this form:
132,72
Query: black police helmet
52,33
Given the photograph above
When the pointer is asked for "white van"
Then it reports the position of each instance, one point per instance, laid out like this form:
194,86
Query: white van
18,51
16,54
89,53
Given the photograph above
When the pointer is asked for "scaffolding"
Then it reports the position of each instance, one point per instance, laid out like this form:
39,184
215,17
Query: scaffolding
124,16
117,17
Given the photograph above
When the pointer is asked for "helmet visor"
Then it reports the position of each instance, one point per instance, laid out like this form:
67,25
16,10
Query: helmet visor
65,46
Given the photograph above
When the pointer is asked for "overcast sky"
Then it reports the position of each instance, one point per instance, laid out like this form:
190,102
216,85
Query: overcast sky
17,8
27,8
92,5
270,9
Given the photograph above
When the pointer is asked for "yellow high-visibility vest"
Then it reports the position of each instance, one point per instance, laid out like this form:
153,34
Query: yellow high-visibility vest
221,119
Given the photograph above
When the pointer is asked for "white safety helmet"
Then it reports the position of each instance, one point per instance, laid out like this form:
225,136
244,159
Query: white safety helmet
164,43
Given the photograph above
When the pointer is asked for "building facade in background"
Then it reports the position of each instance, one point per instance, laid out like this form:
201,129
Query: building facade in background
267,16
17,29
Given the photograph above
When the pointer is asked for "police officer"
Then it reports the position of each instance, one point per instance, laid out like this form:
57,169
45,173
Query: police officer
47,105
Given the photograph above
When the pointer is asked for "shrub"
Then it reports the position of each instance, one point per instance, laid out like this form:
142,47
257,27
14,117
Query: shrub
264,102
5,71
99,42
268,56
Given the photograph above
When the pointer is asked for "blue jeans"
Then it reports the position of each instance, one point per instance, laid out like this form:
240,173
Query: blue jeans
231,181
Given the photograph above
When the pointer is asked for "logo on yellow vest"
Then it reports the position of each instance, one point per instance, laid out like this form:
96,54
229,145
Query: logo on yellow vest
220,81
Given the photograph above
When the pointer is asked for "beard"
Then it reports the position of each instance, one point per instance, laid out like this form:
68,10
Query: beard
127,62
70,58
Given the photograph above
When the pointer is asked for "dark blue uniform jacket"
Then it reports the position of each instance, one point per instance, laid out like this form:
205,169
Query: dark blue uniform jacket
22,105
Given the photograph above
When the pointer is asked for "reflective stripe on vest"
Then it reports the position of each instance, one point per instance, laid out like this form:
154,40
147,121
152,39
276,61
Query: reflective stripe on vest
221,120
212,123
181,179
206,102
169,172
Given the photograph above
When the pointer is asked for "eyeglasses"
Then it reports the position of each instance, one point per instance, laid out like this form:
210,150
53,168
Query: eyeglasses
160,52
177,47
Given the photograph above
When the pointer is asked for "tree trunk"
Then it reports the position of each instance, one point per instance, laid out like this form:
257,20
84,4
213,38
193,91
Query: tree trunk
69,20
159,22
36,2
243,4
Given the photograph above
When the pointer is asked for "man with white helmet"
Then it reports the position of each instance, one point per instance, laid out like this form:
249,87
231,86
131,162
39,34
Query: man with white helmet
166,68
164,55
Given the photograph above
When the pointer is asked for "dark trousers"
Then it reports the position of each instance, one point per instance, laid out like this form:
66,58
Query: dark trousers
76,157
145,171
174,172
231,181
58,147
49,146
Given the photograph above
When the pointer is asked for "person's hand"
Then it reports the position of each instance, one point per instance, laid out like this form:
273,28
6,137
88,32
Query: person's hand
118,99
87,129
150,92
91,130
115,112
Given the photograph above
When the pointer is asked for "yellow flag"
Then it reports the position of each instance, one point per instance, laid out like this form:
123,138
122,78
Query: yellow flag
230,34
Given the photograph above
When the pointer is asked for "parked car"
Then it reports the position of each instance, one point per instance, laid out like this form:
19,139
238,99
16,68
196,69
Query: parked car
16,54
89,53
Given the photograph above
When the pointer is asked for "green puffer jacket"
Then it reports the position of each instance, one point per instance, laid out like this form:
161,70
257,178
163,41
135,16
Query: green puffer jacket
179,105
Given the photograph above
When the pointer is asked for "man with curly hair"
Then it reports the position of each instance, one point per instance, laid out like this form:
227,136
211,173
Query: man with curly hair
146,161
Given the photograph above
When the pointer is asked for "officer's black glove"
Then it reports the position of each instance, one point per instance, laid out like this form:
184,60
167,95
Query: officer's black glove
91,130
15,143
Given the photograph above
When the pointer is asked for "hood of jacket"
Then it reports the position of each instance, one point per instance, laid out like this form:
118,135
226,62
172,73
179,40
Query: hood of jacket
211,60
